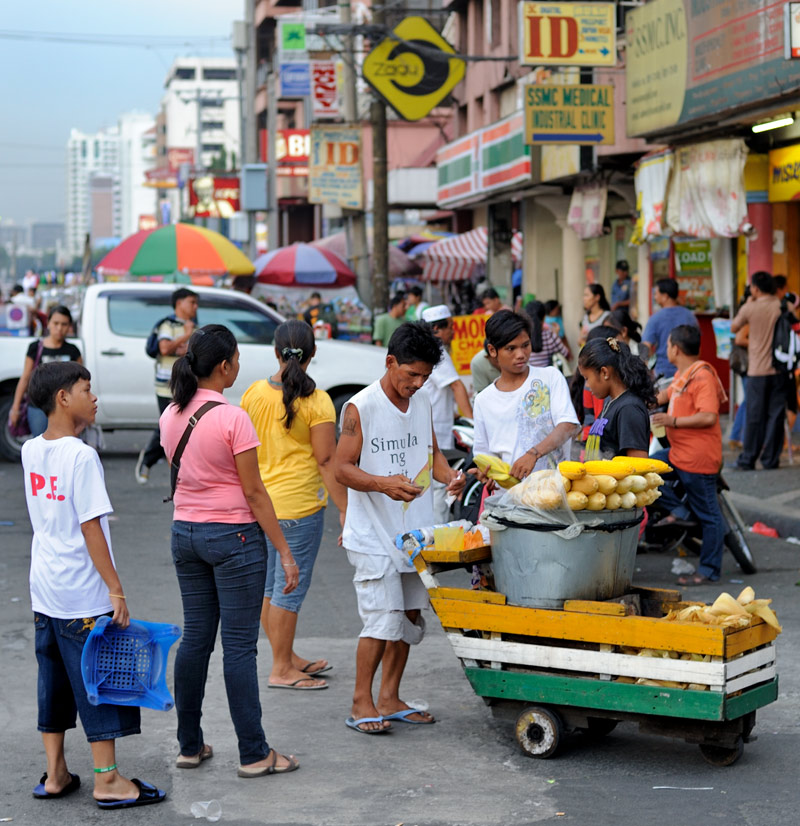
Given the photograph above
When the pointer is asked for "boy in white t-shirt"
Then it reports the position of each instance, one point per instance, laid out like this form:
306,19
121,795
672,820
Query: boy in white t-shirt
73,581
525,415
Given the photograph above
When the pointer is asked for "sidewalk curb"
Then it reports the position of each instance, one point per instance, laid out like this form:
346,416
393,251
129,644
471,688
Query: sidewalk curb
786,521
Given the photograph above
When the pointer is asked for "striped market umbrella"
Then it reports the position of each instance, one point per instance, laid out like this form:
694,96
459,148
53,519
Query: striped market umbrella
193,251
303,264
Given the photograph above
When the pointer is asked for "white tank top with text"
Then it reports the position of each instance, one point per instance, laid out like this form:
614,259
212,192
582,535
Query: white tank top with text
393,442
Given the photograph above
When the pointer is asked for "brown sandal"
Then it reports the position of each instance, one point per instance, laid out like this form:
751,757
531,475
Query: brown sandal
270,768
184,762
691,581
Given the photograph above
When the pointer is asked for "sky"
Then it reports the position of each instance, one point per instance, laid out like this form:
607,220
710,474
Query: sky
51,87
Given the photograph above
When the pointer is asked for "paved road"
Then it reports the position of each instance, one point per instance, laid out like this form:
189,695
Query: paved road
464,771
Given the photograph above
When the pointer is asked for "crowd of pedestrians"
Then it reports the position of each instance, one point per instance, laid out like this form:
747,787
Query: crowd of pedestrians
250,487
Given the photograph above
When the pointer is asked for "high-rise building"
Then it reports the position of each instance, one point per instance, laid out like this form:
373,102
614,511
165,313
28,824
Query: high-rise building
137,155
88,154
46,235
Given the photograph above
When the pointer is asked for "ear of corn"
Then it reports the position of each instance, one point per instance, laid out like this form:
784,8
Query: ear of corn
577,500
609,468
643,464
587,485
495,468
606,484
597,502
572,470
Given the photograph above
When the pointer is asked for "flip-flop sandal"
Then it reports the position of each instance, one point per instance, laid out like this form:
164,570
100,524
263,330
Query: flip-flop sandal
354,724
405,713
147,794
317,671
295,687
73,786
184,762
261,771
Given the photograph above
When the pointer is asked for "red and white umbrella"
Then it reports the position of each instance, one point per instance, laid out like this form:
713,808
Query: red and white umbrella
303,265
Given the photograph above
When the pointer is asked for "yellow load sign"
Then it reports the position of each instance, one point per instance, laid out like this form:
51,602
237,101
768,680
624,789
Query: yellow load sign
411,68
581,114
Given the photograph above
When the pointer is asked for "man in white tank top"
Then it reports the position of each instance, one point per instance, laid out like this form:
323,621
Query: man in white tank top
387,456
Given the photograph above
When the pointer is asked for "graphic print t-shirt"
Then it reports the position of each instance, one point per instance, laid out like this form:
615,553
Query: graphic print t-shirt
393,442
507,424
623,424
66,352
64,487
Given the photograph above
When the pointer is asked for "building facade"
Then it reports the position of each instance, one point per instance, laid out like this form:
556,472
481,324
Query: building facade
137,156
89,155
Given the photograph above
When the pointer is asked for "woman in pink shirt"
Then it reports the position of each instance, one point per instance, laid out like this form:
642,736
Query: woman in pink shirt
222,512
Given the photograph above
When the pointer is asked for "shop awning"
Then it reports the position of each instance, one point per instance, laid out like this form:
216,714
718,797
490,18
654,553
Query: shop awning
456,258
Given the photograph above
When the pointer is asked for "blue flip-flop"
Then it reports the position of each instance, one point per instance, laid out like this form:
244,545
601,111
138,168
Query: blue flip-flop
147,794
405,713
354,724
73,786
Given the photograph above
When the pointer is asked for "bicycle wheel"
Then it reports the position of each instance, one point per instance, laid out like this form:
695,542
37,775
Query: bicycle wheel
735,538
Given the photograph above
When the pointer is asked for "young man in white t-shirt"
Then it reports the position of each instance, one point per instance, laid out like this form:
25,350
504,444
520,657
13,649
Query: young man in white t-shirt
73,581
445,390
526,415
387,456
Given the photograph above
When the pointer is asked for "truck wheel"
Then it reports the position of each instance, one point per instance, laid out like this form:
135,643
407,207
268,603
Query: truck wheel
719,756
539,731
10,446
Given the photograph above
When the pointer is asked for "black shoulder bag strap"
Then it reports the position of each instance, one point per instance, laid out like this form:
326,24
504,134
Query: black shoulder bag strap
175,464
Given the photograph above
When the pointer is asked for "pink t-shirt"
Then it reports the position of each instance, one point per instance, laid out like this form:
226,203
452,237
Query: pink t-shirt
209,489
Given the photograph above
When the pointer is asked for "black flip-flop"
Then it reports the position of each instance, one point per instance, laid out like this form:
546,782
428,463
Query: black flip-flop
147,794
73,786
318,671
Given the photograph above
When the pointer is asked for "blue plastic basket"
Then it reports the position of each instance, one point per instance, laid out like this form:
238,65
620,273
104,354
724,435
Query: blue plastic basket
128,667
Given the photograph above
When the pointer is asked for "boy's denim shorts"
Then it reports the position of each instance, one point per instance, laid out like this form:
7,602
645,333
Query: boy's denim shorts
61,693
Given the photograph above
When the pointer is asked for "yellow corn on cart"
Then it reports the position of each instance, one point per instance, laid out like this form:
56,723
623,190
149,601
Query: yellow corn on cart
567,670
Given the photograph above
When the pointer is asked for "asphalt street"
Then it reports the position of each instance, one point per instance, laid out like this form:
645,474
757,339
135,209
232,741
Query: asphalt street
466,770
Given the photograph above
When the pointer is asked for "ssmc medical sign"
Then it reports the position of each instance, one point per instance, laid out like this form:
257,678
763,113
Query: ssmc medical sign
567,34
582,114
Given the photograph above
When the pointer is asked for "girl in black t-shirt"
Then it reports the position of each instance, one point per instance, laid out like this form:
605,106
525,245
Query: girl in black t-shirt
613,373
53,347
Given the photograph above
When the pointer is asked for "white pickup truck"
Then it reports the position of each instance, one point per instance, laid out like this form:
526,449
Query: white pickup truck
115,320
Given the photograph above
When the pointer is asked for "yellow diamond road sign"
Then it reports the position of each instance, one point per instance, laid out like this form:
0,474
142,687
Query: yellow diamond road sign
412,70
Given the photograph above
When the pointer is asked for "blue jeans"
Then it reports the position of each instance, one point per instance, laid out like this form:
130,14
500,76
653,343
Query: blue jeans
221,569
701,501
37,420
739,420
61,693
304,537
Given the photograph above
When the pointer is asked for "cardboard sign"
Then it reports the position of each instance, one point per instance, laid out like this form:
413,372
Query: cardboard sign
470,331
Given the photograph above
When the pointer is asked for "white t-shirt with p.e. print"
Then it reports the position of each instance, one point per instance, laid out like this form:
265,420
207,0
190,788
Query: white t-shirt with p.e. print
65,487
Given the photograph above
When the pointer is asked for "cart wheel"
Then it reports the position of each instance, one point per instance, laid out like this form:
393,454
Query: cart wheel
539,732
599,726
719,756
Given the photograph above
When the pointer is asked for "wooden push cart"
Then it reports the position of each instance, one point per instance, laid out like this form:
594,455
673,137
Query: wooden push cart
579,669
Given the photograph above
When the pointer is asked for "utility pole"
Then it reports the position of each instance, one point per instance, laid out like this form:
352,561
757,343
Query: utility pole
360,255
248,150
272,157
380,195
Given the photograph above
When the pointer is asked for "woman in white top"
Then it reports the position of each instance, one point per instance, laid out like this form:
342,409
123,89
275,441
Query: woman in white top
596,309
526,414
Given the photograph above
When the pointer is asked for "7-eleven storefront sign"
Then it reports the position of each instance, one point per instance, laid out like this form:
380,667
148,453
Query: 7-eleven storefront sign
484,161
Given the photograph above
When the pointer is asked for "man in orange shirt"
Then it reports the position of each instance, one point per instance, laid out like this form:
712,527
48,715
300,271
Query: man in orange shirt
693,430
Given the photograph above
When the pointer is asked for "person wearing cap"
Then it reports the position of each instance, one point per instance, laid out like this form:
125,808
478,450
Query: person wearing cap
386,323
621,288
444,389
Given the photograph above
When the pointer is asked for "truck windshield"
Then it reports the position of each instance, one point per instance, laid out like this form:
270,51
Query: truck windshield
135,314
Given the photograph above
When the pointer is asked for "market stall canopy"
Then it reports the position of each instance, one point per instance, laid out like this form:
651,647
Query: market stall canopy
195,252
456,258
421,237
303,265
400,264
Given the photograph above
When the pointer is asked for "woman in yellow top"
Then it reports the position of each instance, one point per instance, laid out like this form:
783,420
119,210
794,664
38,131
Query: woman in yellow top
296,424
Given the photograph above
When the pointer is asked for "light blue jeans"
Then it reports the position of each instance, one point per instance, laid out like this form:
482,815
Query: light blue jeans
37,420
304,537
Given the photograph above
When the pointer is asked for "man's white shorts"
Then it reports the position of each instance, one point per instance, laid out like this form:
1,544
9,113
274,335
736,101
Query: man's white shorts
384,595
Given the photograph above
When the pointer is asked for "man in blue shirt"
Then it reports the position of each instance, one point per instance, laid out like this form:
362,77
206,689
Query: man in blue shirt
662,323
621,288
